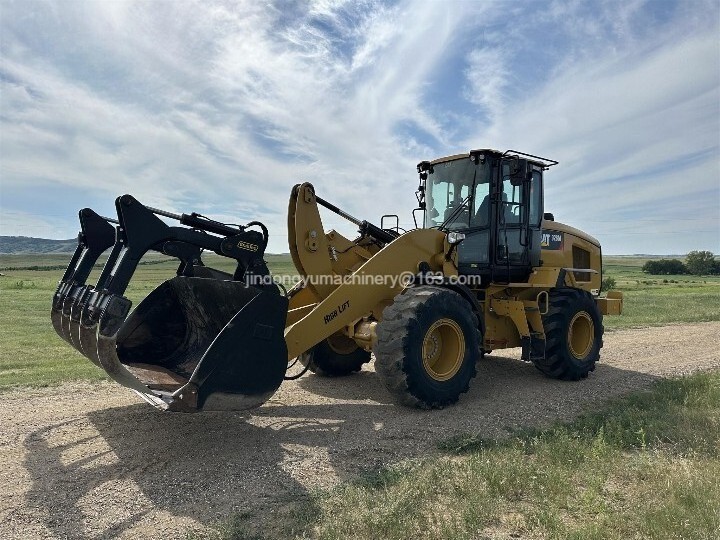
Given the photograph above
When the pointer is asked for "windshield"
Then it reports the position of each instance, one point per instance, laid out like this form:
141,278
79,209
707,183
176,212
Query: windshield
450,183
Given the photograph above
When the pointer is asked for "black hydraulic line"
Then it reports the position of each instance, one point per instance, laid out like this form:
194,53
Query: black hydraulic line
365,226
338,211
376,232
197,221
297,375
164,213
264,229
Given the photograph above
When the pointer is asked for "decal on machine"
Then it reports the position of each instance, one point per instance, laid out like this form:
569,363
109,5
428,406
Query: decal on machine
247,246
552,240
335,312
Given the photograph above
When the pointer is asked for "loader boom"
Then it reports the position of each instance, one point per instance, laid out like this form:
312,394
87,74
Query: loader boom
349,281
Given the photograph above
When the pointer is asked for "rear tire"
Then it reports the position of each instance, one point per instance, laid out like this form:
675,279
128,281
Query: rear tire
573,334
335,356
427,346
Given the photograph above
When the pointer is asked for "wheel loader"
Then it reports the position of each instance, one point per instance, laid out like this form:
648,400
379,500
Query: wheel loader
484,269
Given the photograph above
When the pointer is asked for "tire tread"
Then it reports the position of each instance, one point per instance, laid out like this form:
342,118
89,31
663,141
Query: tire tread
393,343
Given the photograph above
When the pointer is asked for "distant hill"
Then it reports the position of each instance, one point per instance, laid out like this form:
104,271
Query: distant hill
26,244
21,245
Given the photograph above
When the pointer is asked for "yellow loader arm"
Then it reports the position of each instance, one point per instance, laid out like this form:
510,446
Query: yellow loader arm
347,284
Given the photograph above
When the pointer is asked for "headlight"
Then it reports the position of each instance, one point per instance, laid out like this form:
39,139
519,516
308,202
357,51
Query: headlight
455,238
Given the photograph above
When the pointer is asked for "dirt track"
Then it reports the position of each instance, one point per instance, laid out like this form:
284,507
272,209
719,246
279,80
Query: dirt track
93,461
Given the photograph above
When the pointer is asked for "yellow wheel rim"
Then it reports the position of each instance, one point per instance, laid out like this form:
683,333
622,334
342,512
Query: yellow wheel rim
581,335
443,349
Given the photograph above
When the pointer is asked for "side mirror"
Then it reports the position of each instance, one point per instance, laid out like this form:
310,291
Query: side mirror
518,172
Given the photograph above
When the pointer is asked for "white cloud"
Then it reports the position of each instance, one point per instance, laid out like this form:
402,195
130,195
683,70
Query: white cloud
221,107
24,224
487,73
634,128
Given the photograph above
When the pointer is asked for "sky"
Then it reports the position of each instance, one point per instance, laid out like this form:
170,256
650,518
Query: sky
221,107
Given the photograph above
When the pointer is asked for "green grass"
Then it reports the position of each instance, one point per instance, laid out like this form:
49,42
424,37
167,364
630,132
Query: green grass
31,353
645,466
657,300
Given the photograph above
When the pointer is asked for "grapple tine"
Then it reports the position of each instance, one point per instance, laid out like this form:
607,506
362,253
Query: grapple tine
74,296
63,289
56,318
74,323
65,312
96,235
74,305
59,321
75,328
88,337
56,313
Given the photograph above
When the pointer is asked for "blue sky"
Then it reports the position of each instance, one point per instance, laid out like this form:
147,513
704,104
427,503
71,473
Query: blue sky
220,107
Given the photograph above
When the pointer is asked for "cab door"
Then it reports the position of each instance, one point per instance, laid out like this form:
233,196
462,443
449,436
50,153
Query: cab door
517,212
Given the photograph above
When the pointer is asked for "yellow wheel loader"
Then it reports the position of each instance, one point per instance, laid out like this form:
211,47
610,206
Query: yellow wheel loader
486,269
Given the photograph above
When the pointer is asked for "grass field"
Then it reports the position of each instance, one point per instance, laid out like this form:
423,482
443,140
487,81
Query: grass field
646,466
32,354
657,300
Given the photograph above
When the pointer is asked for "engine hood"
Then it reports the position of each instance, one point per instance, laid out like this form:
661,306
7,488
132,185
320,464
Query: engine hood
561,227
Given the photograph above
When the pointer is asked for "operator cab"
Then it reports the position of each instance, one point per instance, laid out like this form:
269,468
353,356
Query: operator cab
496,200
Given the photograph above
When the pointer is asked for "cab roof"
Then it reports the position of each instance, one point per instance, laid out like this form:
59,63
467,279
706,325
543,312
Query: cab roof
537,160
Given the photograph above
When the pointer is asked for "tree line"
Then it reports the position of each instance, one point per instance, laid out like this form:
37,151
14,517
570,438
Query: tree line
698,263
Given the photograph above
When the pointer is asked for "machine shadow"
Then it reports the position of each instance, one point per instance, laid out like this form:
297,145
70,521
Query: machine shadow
209,465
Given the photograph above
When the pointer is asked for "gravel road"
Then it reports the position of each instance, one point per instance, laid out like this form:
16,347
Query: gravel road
94,461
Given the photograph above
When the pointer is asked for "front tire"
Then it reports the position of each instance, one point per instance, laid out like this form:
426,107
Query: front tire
427,346
573,334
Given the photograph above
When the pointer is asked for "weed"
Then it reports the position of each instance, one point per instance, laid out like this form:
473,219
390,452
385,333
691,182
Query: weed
20,285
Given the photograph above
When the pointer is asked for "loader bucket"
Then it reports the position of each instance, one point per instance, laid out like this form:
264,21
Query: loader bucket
196,343
201,340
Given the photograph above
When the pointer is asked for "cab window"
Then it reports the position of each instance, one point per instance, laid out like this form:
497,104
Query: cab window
535,198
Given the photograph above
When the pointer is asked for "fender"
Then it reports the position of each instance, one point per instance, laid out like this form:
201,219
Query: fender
448,283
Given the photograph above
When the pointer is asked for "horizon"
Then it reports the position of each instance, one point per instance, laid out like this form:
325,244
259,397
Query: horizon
220,109
606,255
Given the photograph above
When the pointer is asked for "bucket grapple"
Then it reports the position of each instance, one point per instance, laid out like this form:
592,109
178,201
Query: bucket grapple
205,339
